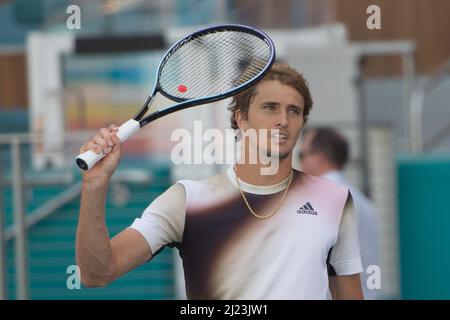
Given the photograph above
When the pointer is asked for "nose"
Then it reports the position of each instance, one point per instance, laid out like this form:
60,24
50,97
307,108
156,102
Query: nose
282,119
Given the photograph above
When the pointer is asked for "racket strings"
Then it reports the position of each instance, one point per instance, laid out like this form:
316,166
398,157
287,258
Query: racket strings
200,44
258,50
237,77
221,82
214,63
189,62
232,56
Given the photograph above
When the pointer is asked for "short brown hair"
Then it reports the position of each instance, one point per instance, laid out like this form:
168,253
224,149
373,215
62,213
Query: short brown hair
281,72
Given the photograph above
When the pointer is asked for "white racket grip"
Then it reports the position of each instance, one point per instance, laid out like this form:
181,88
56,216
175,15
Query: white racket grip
127,129
88,159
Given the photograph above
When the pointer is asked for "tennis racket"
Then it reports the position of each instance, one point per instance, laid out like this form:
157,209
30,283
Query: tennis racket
206,66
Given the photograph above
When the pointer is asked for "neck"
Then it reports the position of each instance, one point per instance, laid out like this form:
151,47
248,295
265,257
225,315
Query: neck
251,173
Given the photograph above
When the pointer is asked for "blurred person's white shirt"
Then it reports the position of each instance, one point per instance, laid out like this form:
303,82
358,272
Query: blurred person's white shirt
368,231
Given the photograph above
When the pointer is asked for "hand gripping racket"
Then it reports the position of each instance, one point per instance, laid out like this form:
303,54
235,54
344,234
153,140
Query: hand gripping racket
208,65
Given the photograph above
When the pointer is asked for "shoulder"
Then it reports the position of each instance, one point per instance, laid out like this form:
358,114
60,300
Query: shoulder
205,191
173,197
362,202
320,184
218,180
329,195
212,185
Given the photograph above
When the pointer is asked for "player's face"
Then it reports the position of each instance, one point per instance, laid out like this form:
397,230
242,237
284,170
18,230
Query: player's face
275,106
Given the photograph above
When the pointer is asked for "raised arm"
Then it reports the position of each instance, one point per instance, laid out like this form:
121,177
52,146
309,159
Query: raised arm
100,259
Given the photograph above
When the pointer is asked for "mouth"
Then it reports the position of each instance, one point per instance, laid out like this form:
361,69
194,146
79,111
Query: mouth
280,136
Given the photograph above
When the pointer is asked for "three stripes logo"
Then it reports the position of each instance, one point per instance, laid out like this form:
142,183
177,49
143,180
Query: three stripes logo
307,209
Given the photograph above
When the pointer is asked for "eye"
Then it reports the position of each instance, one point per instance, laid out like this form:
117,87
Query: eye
295,110
269,107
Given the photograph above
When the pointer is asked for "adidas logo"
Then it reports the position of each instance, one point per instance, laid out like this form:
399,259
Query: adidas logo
307,209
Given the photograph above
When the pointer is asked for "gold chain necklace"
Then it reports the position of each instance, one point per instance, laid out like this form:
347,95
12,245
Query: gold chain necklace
248,205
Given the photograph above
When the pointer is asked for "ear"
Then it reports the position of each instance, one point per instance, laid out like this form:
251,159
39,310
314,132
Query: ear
320,157
239,117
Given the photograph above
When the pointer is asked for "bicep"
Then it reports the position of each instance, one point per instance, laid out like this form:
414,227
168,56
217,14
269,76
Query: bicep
130,250
161,223
345,256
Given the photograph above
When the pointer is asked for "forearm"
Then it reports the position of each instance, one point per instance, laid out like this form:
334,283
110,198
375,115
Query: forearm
93,248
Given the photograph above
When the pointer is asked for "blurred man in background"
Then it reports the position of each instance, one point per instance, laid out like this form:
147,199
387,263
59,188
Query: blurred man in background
325,152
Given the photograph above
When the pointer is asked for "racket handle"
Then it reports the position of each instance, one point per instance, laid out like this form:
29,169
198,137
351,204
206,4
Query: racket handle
88,159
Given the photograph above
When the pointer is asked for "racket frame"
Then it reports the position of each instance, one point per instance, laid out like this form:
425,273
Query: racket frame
89,158
184,103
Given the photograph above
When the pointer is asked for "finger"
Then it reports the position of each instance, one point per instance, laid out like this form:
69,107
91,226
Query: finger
102,143
106,134
95,147
91,146
116,141
113,128
98,139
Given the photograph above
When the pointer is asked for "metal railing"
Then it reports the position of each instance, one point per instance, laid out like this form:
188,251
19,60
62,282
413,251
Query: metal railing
23,221
3,282
406,50
421,92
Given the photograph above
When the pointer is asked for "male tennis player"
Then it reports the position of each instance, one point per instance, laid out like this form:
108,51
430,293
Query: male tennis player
241,234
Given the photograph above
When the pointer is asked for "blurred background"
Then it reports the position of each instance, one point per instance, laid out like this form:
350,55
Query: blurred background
386,89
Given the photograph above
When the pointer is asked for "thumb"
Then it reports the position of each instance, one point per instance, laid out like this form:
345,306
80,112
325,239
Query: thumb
117,143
